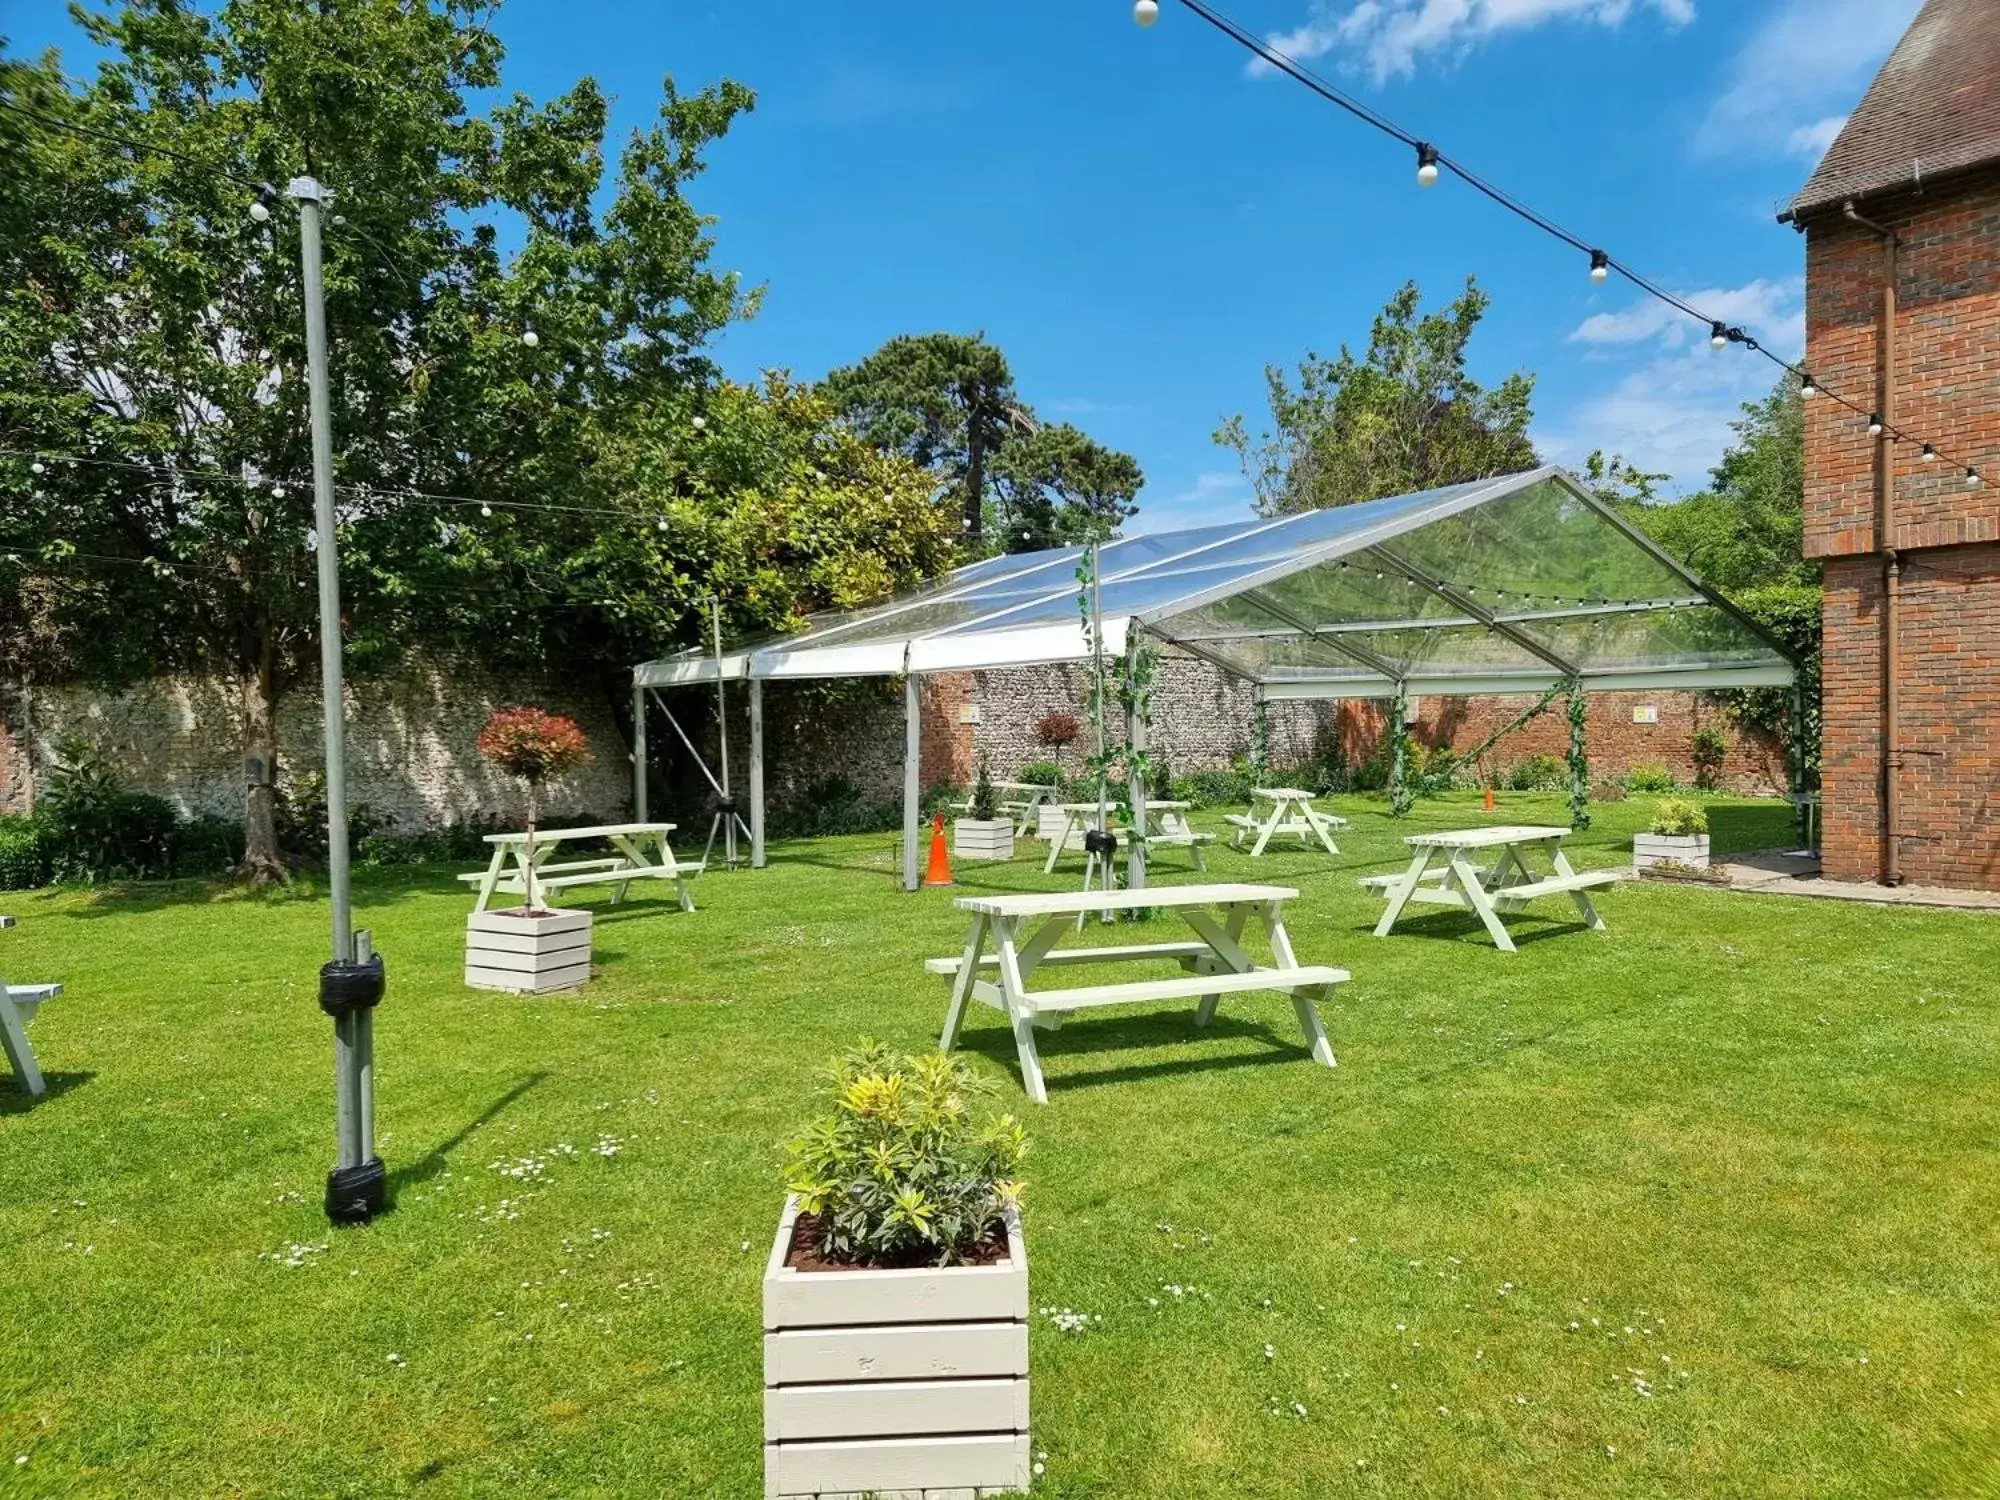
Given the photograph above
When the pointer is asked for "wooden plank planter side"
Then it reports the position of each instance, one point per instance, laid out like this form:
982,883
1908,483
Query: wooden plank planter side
1649,849
982,838
897,1380
525,955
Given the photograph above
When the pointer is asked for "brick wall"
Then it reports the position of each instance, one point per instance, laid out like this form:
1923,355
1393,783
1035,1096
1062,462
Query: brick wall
1947,390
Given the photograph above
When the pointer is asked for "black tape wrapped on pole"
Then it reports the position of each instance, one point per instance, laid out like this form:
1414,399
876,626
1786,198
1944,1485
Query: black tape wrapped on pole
349,993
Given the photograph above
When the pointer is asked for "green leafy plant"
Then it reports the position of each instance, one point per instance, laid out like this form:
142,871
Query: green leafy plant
1677,817
985,805
899,1169
1539,773
24,857
1040,773
1650,777
1711,749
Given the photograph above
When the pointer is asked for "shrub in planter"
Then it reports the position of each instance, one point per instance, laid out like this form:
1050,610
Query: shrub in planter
1040,773
529,949
1678,835
896,1295
983,834
1057,731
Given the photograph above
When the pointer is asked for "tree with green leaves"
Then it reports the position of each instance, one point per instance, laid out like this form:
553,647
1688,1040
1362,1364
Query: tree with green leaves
1405,416
1057,485
946,401
147,318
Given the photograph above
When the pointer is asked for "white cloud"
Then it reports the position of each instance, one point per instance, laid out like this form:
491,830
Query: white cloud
1770,310
1671,413
1390,36
1807,57
1215,495
1812,140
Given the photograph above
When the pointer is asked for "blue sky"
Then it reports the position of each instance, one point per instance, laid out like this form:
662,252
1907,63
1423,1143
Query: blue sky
1143,222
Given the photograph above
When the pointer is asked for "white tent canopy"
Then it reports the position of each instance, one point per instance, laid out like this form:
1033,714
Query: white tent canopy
1507,585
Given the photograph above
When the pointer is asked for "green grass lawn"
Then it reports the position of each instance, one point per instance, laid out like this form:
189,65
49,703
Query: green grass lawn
1702,1205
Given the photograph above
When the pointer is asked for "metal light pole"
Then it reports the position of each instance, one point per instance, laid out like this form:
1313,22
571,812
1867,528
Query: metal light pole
351,985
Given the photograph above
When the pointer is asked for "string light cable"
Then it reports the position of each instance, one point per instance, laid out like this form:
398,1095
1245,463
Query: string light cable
1431,161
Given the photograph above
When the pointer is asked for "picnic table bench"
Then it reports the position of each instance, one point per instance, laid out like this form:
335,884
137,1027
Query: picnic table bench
18,1004
1291,814
1493,890
641,852
1013,937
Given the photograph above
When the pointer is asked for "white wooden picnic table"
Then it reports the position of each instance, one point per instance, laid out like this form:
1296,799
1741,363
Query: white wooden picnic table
640,852
18,1004
1493,890
1289,813
1012,937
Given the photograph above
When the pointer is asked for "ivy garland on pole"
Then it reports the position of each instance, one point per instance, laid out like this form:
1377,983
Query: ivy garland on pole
1115,763
1402,796
1579,757
1260,739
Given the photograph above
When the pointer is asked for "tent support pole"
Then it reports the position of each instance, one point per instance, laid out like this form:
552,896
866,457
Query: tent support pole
912,798
1135,736
638,753
756,773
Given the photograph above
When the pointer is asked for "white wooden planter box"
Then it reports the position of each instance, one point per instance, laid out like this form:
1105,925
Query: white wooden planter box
508,950
1649,849
982,838
1049,823
897,1382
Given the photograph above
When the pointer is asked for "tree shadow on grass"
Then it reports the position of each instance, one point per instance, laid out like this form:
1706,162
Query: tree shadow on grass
1137,1033
434,1160
1731,828
129,898
16,1100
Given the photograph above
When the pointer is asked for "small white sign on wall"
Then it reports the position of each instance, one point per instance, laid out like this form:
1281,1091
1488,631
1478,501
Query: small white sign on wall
1646,713
968,713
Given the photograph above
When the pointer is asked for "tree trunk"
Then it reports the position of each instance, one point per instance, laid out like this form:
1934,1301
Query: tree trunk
975,483
261,862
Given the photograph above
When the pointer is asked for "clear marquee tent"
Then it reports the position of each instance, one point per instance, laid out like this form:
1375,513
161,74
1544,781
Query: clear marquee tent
1507,585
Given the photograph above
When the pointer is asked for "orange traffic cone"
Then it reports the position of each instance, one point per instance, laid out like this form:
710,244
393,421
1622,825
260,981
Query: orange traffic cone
938,872
1489,797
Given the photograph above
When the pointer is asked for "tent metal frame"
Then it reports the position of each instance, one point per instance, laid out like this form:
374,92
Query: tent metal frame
867,643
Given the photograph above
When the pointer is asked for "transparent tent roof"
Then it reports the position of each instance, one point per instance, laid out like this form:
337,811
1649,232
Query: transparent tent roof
1500,585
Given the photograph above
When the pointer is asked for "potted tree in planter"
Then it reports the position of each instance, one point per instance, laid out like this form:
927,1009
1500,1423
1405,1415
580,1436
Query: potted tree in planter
530,949
1678,835
896,1294
983,833
1056,731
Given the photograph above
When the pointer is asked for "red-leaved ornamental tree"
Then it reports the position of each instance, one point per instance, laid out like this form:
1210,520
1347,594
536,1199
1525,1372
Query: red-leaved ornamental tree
533,744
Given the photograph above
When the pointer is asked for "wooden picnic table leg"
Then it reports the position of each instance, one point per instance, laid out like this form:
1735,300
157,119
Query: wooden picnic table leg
1582,898
1473,884
14,1037
635,858
1270,826
1302,1001
1020,1010
492,877
1057,844
961,988
1224,939
1399,894
1319,826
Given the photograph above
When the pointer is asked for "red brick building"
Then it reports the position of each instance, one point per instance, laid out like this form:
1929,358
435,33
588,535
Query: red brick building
1902,227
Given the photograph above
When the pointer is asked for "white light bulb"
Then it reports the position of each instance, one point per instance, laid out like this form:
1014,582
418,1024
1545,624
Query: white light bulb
661,524
1599,273
260,213
699,423
1972,479
1146,12
277,492
486,510
530,337
37,467
1427,174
